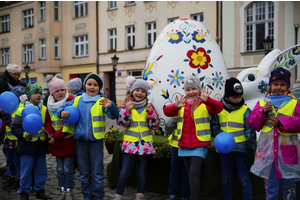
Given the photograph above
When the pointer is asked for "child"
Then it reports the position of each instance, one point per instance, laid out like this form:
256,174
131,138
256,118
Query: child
178,174
193,128
233,120
32,147
278,152
74,87
89,133
138,117
63,145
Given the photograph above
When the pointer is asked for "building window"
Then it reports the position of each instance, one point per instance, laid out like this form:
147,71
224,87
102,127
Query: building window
29,80
112,39
5,56
151,33
112,5
259,23
198,17
28,18
42,13
5,23
42,48
80,8
130,37
28,55
172,19
136,74
56,10
129,3
81,44
56,48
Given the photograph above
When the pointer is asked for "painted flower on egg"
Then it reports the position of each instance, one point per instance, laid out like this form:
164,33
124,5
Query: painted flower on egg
176,78
175,38
263,86
198,58
218,80
199,37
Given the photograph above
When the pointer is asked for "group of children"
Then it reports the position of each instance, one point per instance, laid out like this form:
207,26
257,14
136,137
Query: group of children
195,118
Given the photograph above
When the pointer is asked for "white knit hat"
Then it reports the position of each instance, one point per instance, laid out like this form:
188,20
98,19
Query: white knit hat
75,84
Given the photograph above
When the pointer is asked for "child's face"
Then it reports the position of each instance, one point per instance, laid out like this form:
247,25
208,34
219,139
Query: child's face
279,87
35,98
139,94
92,87
192,93
235,99
59,94
70,90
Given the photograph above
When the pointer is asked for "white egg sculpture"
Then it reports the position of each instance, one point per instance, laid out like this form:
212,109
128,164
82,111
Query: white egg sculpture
184,47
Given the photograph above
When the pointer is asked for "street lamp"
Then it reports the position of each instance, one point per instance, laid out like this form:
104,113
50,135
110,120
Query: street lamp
26,69
114,61
267,43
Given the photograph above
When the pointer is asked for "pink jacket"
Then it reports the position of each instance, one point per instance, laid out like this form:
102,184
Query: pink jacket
189,138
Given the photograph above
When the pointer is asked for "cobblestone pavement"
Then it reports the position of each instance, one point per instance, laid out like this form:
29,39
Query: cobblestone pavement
52,188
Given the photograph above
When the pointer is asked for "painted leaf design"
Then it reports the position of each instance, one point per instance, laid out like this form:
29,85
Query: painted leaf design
186,60
202,78
194,47
209,86
208,51
198,70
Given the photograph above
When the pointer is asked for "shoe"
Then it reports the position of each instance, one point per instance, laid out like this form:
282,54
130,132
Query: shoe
3,170
69,194
32,191
77,175
62,194
117,197
9,183
15,186
139,196
6,175
24,196
41,195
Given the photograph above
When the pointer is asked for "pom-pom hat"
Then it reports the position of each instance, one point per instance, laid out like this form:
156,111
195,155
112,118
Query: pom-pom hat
192,82
134,83
55,83
280,74
75,84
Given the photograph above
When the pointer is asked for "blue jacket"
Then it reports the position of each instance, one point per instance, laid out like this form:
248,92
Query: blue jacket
82,132
249,132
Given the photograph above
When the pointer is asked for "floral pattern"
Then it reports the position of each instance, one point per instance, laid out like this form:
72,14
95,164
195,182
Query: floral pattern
165,94
176,78
263,86
296,51
292,62
175,38
218,79
199,58
199,37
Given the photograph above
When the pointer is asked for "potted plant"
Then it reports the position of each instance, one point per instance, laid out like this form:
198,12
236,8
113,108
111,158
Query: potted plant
110,138
163,153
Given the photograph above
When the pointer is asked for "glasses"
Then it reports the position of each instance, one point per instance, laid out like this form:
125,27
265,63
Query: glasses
15,74
61,90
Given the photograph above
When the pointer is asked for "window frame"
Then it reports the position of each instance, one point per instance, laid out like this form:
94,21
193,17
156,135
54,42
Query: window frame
113,39
130,73
84,5
172,19
43,49
56,7
129,3
28,17
5,56
151,32
42,11
198,17
56,47
130,37
85,44
26,51
112,5
5,23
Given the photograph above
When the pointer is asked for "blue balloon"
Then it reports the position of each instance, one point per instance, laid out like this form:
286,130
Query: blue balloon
224,142
9,102
30,110
32,123
74,115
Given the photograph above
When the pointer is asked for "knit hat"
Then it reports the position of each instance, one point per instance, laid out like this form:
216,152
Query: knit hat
75,84
55,83
280,74
133,84
32,88
18,90
93,76
192,82
233,87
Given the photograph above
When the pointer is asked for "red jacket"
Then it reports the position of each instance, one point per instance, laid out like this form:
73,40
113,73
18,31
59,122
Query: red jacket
63,147
189,138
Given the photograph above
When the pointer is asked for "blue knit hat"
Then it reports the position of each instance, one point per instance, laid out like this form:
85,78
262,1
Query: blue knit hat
280,74
96,77
18,90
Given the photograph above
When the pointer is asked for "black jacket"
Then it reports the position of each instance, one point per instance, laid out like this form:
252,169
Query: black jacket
5,78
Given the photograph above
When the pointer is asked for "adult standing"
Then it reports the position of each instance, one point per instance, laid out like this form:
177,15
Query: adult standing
10,78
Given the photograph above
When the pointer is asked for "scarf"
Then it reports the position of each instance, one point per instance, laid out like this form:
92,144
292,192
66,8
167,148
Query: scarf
139,104
86,98
53,106
230,106
28,103
279,100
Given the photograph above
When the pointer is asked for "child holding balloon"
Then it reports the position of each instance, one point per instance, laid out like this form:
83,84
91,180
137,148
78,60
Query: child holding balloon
138,117
63,145
194,135
277,116
32,145
89,134
233,120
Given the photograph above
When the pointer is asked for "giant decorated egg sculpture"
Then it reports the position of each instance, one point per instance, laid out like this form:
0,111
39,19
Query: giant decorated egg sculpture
184,47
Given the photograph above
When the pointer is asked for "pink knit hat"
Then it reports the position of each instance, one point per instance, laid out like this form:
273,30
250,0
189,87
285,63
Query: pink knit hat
55,83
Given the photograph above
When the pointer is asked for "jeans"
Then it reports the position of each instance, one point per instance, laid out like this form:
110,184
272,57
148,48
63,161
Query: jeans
13,162
65,171
227,161
38,164
141,169
178,175
90,161
272,185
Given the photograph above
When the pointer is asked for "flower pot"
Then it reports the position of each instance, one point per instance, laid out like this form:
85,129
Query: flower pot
110,147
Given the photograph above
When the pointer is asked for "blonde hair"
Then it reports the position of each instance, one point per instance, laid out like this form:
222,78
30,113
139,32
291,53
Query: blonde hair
13,68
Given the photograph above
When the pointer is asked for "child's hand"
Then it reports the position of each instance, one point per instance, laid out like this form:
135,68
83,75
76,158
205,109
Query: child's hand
204,94
64,114
129,105
28,136
149,108
267,107
105,102
51,140
274,121
181,101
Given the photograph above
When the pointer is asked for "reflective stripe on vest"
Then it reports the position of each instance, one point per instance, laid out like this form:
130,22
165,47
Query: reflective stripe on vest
233,123
173,139
58,124
285,111
202,123
138,126
8,133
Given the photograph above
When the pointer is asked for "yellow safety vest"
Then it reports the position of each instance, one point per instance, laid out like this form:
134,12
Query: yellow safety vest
41,134
59,123
97,116
173,139
233,123
202,123
8,133
287,110
138,127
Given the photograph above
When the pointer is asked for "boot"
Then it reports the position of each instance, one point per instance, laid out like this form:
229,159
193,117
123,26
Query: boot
139,196
41,195
118,197
69,194
24,196
62,193
9,183
16,185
